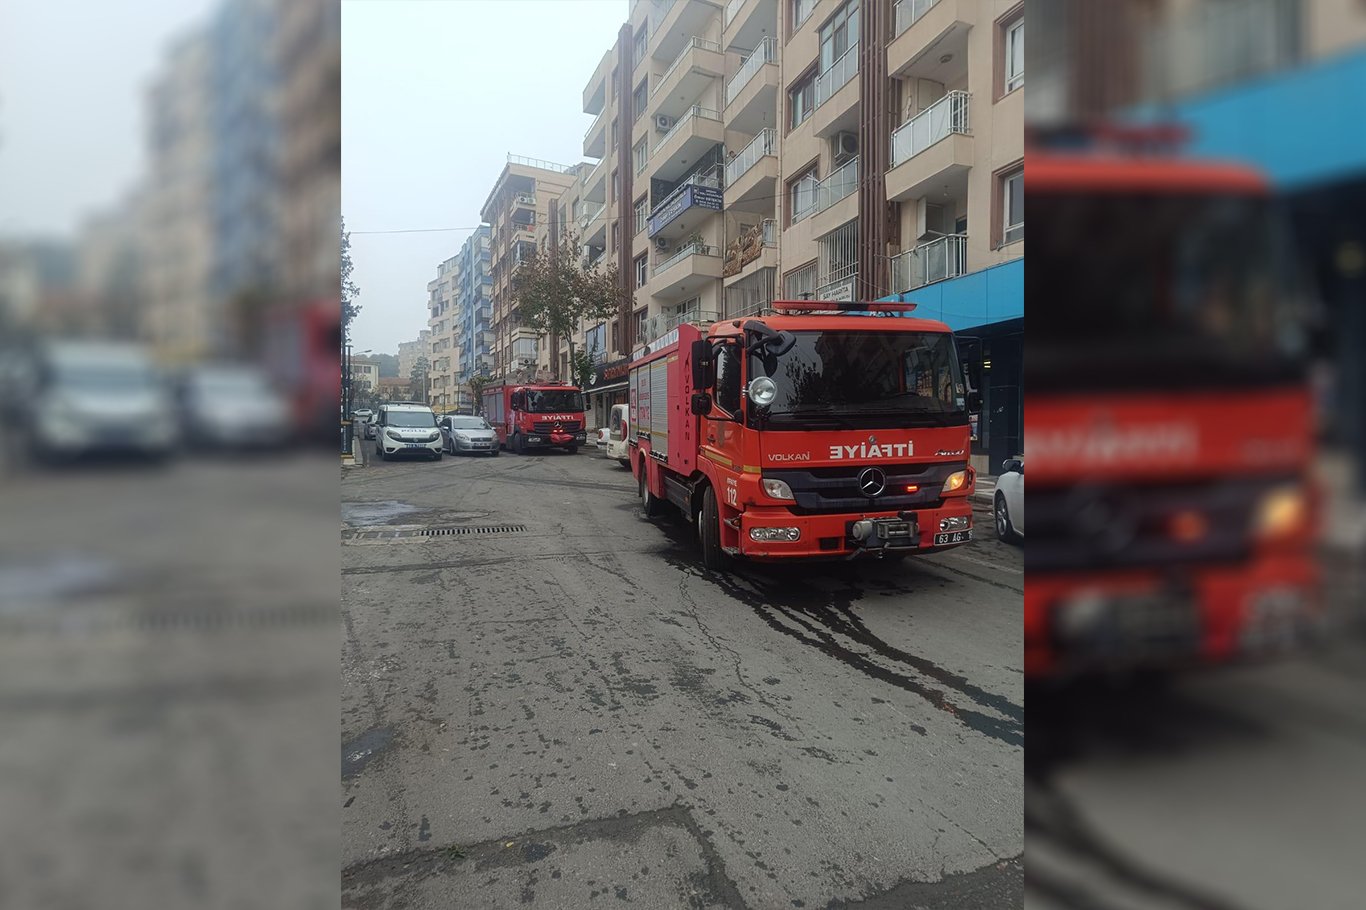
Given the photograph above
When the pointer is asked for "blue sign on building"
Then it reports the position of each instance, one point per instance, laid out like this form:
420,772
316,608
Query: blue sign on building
691,196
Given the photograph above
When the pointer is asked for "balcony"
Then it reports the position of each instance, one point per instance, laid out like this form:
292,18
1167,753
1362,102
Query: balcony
755,248
591,210
836,202
692,135
837,96
752,93
931,150
837,263
524,203
936,260
595,92
685,273
678,22
692,71
595,187
698,198
931,40
747,22
595,140
752,175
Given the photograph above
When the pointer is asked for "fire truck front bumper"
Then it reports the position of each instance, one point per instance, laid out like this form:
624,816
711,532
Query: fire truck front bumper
778,533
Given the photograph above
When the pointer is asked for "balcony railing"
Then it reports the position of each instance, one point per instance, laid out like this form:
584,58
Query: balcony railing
732,10
936,260
696,110
947,115
699,249
541,163
591,210
746,248
764,143
693,42
839,73
594,125
838,185
766,52
907,11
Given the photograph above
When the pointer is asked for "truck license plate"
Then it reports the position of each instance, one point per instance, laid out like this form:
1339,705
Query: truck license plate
953,537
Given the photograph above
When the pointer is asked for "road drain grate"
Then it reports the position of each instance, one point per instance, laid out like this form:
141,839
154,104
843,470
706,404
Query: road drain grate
393,533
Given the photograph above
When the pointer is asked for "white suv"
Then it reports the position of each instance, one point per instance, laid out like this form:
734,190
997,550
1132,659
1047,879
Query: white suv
406,429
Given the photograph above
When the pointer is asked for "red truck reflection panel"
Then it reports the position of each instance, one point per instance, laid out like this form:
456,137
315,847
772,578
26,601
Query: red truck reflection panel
536,416
811,433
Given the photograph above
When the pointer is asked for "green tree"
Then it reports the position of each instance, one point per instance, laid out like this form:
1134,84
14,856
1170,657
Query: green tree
349,292
477,383
581,368
417,379
555,294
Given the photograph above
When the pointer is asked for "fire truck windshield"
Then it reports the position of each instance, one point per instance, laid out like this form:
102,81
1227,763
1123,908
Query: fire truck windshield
548,401
1159,291
864,380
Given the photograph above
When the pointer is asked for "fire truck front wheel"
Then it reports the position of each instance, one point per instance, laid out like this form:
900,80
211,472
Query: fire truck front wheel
709,534
649,504
517,443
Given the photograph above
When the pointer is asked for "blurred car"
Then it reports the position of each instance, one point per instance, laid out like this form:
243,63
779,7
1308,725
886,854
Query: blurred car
359,418
616,438
1009,502
600,438
466,433
233,406
368,427
85,398
407,429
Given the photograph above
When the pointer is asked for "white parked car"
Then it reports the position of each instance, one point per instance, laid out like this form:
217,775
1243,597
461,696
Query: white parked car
1010,500
616,438
407,429
465,433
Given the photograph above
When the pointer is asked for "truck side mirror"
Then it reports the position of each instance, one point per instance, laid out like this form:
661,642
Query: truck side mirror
702,362
974,402
700,404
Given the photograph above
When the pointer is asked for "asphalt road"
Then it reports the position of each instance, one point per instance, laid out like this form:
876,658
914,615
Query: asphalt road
572,712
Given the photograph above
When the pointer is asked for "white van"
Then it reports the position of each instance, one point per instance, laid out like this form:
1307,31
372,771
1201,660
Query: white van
616,439
407,429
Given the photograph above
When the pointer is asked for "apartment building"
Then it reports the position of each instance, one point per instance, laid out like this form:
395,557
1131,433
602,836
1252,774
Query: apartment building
364,374
474,313
410,351
442,320
520,200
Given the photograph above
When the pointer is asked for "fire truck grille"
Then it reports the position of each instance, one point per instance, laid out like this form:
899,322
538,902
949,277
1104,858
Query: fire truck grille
829,490
1160,525
548,426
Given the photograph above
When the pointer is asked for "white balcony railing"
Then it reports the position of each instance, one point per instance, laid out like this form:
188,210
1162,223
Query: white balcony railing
764,143
692,249
947,115
770,232
732,10
838,185
935,260
696,110
907,11
839,73
766,52
591,210
692,42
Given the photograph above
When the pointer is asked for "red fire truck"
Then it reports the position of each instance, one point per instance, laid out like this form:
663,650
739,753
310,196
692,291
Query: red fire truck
536,416
814,432
301,352
1171,518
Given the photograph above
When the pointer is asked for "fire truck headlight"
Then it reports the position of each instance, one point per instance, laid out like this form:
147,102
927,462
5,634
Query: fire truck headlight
777,489
762,391
957,480
771,534
1281,511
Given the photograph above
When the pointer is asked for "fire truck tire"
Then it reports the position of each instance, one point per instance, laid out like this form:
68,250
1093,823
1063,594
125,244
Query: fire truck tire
517,443
1004,529
650,505
573,450
709,534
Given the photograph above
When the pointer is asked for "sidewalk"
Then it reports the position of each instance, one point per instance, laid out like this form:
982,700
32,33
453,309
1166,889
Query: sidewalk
985,490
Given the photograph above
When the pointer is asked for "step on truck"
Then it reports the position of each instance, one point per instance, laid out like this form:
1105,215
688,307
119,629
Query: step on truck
825,430
536,416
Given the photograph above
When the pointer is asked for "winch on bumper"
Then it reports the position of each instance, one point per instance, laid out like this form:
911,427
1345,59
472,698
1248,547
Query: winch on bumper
779,533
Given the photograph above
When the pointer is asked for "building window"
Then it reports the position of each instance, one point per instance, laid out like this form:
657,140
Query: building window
614,134
616,186
616,235
801,195
574,209
1009,51
642,213
800,284
616,83
801,100
642,40
616,339
638,323
638,102
838,34
1010,193
642,268
642,154
801,11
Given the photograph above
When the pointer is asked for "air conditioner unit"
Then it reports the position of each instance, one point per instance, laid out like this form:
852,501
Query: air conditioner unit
661,243
663,122
844,146
930,220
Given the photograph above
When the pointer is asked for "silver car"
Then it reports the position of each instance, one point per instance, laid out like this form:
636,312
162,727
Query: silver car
461,433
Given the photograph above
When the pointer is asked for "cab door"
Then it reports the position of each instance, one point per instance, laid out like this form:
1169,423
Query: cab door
723,429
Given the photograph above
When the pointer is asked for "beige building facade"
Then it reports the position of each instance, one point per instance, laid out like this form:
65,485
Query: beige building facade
443,356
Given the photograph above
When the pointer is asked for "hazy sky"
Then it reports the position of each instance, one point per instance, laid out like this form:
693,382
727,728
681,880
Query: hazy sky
72,79
435,94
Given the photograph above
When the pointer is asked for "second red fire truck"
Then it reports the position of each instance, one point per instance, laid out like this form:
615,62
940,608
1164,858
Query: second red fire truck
814,432
536,416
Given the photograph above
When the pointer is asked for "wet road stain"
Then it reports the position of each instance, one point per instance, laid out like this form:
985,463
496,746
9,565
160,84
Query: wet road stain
358,752
373,513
